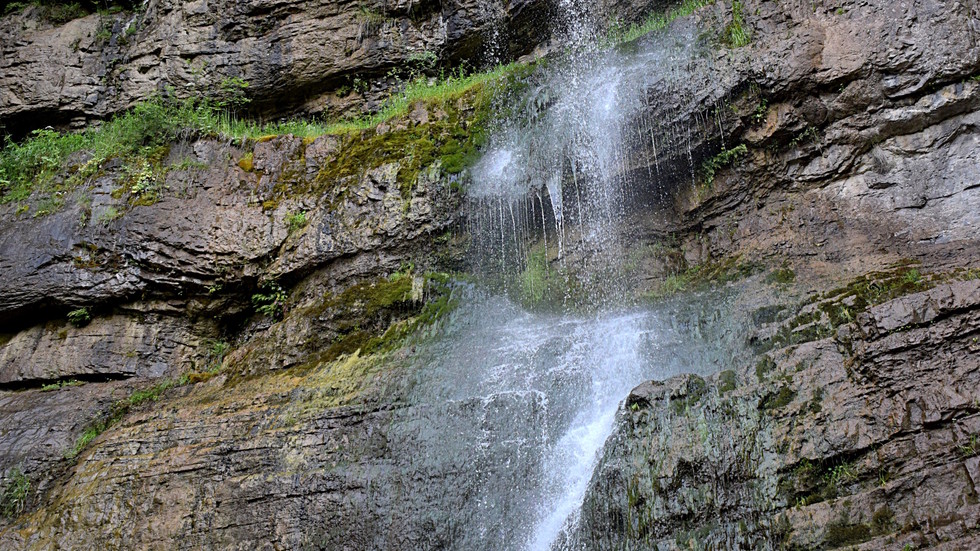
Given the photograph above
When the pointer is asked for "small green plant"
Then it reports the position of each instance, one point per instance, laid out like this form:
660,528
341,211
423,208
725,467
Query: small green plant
14,492
104,34
807,135
232,94
760,111
972,447
840,474
296,221
912,277
80,317
422,62
726,157
883,477
359,85
735,34
247,162
61,384
109,215
144,184
215,357
272,302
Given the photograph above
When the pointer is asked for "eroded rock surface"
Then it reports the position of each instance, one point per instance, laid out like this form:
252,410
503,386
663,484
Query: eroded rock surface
865,437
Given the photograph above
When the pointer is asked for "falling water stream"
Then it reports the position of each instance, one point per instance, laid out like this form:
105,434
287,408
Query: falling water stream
532,392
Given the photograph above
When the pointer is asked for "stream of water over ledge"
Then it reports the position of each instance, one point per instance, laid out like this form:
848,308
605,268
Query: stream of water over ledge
531,372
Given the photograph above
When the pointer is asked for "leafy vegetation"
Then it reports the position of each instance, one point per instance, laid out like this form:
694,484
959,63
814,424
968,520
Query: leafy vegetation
121,408
296,221
14,492
51,164
703,276
815,481
116,412
79,317
779,399
271,302
972,446
724,158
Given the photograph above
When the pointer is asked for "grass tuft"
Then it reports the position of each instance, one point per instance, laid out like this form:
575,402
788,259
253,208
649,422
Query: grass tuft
735,35
13,493
654,22
50,163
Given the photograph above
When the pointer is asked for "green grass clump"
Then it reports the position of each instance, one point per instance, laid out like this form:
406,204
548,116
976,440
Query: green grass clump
702,276
50,163
779,400
841,534
61,384
654,22
296,221
14,492
79,317
972,446
735,35
271,301
119,409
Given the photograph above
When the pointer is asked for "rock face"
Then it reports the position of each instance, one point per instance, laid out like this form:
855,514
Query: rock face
327,57
864,437
293,55
204,424
856,422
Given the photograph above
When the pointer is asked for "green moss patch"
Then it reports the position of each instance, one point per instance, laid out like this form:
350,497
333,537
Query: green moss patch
820,317
453,138
377,316
703,276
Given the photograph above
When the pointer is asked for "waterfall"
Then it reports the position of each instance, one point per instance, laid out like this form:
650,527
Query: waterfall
534,365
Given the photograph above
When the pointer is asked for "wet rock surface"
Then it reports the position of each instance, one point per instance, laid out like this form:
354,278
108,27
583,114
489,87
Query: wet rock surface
862,438
854,425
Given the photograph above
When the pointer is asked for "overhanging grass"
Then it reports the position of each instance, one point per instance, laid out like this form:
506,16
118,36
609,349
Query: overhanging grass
36,163
654,22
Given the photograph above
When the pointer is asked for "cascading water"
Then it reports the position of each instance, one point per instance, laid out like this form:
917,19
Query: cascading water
530,394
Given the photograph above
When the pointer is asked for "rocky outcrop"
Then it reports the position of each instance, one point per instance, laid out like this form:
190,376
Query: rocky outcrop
328,56
867,437
855,424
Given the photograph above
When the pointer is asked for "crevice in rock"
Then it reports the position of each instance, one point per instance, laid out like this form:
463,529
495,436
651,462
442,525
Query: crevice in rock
61,382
